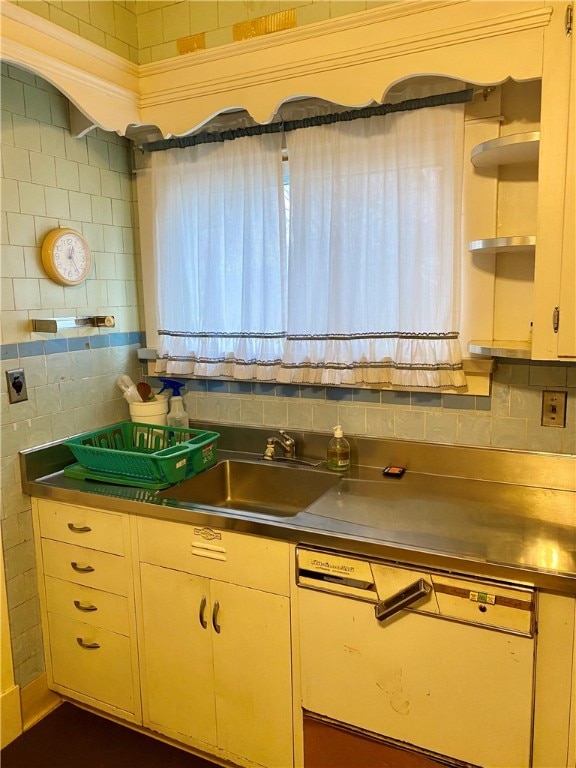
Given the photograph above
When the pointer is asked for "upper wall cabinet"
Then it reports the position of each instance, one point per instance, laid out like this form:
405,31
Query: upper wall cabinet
567,330
554,334
519,231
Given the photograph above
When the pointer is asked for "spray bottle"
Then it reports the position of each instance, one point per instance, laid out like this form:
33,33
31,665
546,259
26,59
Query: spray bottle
177,416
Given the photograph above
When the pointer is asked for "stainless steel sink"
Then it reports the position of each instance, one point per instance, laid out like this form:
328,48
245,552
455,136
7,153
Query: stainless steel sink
267,489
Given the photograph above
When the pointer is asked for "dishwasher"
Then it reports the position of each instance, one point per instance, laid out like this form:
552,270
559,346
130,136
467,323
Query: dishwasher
405,662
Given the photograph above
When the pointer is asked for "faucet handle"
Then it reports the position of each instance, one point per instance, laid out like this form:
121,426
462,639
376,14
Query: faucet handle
287,439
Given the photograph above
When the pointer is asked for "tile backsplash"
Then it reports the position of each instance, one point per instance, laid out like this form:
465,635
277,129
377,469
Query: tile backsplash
509,419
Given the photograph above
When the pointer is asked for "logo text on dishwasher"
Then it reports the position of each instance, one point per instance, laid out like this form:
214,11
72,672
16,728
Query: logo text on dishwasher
333,567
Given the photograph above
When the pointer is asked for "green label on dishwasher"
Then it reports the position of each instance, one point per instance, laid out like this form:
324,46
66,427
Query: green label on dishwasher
482,597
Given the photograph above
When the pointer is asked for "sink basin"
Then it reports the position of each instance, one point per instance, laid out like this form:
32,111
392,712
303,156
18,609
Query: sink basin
267,489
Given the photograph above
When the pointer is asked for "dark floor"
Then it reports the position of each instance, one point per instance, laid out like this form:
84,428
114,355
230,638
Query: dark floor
70,737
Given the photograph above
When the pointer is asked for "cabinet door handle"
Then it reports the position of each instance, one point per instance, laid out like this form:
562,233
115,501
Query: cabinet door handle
81,568
87,646
215,613
78,528
202,611
85,608
402,599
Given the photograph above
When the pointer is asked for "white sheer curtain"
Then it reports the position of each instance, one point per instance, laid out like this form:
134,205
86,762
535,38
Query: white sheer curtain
220,255
369,293
374,250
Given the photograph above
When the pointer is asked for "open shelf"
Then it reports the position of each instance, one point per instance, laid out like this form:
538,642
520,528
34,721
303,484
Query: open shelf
507,150
495,244
501,348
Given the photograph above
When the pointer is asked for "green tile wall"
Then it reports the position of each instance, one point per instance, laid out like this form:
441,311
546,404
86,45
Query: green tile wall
143,31
50,179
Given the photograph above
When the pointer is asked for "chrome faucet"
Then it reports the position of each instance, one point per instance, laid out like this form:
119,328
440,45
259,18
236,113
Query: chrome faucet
286,443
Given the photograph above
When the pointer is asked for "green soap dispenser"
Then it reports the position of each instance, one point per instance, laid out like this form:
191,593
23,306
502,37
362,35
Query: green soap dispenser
338,455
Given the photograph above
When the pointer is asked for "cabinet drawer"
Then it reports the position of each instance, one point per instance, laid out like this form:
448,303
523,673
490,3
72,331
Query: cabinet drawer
84,527
241,559
91,606
100,570
91,661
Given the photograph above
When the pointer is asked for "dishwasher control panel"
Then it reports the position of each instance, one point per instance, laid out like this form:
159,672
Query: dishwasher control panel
393,588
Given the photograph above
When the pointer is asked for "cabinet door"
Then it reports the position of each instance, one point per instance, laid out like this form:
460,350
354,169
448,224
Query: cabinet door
177,669
567,334
554,253
252,666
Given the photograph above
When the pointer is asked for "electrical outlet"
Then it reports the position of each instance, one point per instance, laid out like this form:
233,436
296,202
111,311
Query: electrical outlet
553,408
17,391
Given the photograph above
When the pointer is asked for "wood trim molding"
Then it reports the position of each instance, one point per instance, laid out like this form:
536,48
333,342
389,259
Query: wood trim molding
351,60
99,83
350,63
37,701
10,715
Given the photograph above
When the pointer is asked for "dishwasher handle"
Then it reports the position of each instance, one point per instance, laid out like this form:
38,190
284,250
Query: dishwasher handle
403,599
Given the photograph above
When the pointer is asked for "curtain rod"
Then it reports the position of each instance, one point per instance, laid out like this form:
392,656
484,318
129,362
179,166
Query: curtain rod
441,99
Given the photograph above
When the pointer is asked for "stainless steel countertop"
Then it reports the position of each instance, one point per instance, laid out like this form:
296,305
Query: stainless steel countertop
521,533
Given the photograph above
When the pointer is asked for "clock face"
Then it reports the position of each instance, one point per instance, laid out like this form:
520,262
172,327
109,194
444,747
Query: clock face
66,256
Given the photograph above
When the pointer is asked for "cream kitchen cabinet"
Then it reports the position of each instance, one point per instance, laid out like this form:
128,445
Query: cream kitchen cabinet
87,603
215,641
567,329
521,225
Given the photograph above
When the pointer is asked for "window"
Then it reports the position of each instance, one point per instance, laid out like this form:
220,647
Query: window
360,288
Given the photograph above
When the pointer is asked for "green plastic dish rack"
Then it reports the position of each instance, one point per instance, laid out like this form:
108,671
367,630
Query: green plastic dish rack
143,454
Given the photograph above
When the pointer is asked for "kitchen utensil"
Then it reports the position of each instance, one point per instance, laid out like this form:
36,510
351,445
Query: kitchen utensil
144,390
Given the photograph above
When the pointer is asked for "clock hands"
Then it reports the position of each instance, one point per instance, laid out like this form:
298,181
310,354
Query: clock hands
71,257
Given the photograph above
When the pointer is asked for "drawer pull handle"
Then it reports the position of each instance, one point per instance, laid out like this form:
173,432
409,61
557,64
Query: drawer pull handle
87,646
402,599
81,568
202,611
215,613
78,528
85,608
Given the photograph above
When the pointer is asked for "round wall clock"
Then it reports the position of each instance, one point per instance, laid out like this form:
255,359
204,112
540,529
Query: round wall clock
66,256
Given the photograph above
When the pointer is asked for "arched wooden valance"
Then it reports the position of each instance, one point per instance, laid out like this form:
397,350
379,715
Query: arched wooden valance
352,60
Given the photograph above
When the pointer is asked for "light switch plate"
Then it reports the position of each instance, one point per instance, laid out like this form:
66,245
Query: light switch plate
17,391
553,408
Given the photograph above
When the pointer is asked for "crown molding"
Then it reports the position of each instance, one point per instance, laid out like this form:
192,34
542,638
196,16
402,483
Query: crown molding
101,84
351,60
